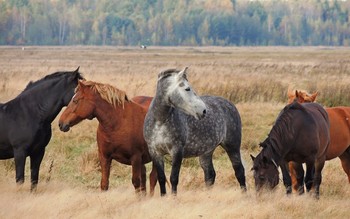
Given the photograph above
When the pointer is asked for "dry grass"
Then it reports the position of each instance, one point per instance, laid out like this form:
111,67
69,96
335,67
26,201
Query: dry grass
60,200
255,79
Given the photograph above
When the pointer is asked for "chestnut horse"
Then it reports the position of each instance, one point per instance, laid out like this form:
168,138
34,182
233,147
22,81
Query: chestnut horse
339,118
144,101
120,130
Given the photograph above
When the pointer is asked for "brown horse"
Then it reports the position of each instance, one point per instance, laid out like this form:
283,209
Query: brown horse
300,134
120,130
144,101
301,96
339,118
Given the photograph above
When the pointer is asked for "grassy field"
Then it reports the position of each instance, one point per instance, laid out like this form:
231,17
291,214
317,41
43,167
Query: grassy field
256,80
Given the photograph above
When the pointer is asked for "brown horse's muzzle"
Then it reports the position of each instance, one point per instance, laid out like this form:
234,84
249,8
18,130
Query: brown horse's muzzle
64,127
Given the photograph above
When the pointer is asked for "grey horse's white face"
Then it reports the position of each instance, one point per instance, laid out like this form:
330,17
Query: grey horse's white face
181,95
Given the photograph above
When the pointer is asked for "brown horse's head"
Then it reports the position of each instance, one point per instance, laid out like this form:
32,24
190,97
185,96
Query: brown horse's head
266,174
80,107
301,96
88,96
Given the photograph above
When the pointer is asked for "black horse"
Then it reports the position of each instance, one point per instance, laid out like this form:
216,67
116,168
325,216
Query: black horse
25,122
300,134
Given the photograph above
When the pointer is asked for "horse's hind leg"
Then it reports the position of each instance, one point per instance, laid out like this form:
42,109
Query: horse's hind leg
206,162
297,176
105,170
143,178
345,162
309,176
153,179
286,177
235,157
137,166
35,161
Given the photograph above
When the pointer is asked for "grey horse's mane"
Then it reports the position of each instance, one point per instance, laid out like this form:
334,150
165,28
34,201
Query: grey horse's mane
168,72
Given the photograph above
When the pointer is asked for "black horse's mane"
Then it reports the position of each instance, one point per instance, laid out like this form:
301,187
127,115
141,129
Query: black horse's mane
282,125
53,76
286,110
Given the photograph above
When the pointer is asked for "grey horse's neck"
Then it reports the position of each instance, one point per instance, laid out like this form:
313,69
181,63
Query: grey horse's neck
161,109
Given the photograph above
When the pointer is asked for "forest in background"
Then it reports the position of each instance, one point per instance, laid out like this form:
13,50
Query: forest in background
175,23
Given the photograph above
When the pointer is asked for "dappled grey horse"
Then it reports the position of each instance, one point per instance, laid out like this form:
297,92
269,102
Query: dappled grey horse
182,124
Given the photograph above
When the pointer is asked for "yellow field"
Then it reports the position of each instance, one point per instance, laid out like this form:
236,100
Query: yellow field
255,79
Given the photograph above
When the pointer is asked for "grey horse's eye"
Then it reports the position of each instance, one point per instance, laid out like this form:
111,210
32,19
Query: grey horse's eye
188,89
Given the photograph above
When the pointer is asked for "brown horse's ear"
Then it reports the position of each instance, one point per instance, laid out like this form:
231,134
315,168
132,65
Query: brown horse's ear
77,70
253,158
300,97
313,96
81,84
290,95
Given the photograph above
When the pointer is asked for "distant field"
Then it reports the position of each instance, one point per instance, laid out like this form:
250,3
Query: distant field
256,79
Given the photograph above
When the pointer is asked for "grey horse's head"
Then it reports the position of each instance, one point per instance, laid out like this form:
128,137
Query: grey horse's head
178,93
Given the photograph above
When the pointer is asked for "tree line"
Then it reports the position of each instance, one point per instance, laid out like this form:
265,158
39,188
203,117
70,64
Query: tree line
175,23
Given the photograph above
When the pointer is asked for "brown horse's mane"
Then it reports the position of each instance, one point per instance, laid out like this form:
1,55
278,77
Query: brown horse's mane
111,94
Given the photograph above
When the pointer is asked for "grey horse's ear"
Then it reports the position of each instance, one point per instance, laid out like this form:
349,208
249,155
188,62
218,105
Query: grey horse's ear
182,73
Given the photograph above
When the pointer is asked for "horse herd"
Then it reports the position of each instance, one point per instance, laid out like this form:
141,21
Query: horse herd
178,122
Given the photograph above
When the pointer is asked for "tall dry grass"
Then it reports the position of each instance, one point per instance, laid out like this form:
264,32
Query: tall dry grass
56,200
255,79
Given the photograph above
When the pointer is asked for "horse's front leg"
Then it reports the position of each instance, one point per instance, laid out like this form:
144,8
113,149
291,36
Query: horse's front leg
158,162
20,160
136,163
206,162
35,161
105,163
287,181
297,174
175,170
